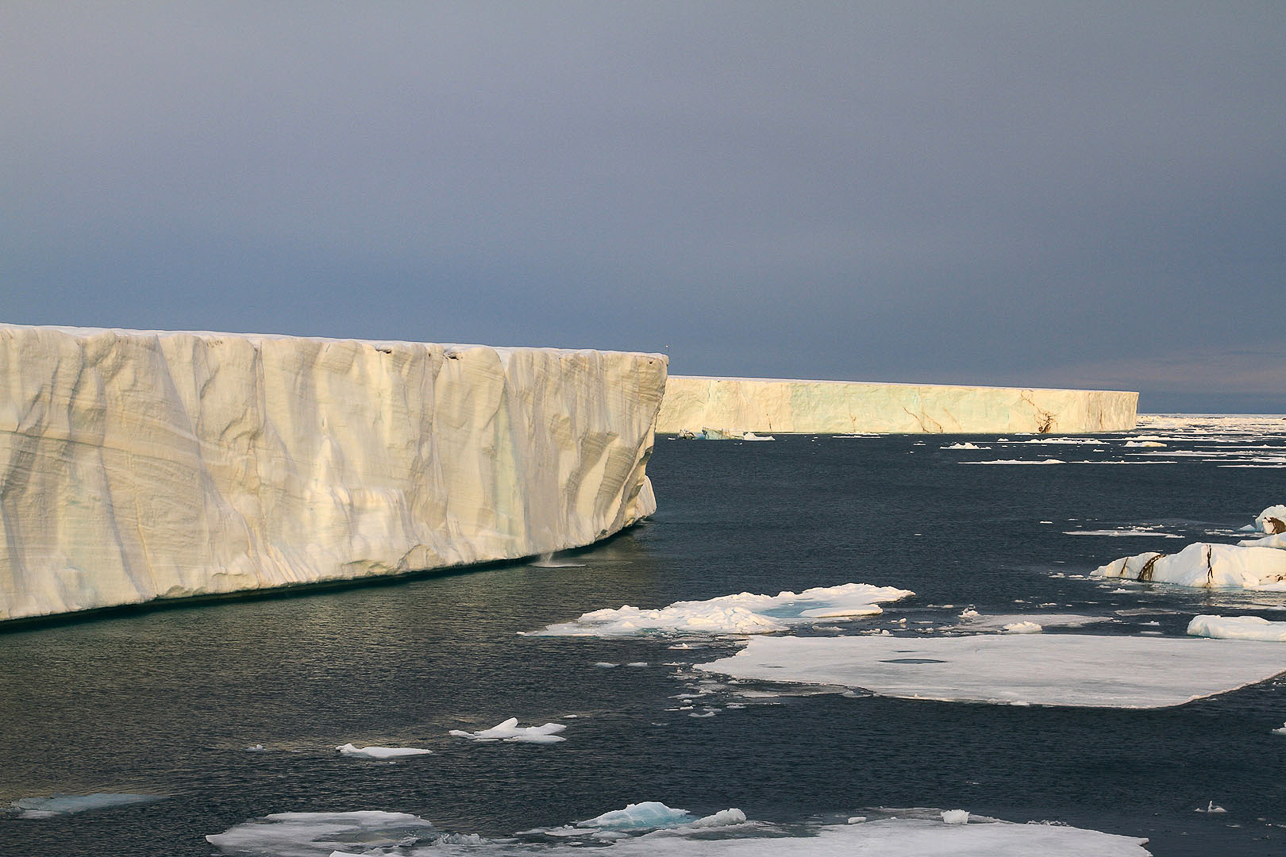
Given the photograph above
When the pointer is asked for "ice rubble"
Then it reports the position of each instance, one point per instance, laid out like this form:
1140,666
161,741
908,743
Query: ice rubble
1036,669
1238,628
952,832
509,730
381,752
148,465
745,613
49,807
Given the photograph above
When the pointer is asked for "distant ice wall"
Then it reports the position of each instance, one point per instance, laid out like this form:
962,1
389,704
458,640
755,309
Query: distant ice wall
143,465
840,407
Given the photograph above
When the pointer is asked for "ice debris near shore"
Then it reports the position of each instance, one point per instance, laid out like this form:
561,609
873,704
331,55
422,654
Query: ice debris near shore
509,730
955,832
380,752
144,465
1238,628
1256,564
745,613
1024,669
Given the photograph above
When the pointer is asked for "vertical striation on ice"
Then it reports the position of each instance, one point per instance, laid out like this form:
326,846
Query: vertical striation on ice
142,465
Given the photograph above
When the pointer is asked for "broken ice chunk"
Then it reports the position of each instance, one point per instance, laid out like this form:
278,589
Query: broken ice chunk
509,730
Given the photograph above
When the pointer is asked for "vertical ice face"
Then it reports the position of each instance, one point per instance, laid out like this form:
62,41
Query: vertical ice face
838,407
141,465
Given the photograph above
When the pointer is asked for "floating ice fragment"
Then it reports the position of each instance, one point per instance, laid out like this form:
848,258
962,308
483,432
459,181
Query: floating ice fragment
320,834
60,804
257,748
722,818
1016,461
965,445
1039,669
381,752
607,665
1211,807
1205,565
637,664
648,815
1133,532
1023,628
1272,520
745,613
1238,628
509,730
1147,443
955,816
1281,730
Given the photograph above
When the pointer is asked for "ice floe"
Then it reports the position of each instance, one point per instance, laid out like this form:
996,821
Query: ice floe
973,621
380,752
965,445
49,807
728,833
1129,532
745,613
1272,520
1205,565
1036,669
1016,461
1238,628
509,730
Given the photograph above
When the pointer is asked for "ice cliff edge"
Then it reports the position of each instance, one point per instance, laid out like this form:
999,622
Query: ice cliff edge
143,465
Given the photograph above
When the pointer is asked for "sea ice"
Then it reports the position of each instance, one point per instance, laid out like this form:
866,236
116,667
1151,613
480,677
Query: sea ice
1274,541
1272,520
972,620
745,613
509,730
381,752
648,815
1016,461
1205,565
48,807
1023,628
1037,669
955,816
1238,628
319,834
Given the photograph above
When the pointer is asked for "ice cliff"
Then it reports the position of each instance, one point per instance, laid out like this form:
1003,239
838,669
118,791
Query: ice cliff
840,407
144,465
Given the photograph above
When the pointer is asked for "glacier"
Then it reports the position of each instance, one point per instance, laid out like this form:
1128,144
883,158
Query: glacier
144,465
737,405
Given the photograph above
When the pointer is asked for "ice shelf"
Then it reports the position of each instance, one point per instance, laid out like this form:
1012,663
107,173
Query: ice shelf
738,405
143,465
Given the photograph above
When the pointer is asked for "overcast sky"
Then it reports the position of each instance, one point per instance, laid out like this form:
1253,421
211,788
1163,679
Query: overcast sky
1043,194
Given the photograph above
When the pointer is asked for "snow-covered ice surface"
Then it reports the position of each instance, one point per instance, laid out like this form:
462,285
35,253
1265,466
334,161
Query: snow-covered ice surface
509,730
745,613
1238,628
144,465
1212,566
651,829
1038,669
380,752
50,807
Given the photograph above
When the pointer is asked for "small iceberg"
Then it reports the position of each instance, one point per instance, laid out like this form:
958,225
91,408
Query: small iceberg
648,815
1238,628
509,730
380,752
1205,565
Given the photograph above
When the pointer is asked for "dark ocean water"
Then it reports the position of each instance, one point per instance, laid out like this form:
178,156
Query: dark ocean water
166,702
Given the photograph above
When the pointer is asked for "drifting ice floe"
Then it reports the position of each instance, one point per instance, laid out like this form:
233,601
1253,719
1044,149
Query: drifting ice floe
509,730
1205,565
951,832
648,815
381,752
1238,628
745,613
973,621
1037,669
48,807
1272,520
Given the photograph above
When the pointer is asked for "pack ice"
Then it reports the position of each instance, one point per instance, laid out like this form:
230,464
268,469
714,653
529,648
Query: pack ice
142,465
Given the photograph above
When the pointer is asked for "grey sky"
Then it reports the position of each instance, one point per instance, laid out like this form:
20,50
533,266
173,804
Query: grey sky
1066,194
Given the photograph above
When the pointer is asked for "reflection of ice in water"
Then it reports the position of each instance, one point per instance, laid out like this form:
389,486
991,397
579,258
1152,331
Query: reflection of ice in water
547,561
651,829
745,613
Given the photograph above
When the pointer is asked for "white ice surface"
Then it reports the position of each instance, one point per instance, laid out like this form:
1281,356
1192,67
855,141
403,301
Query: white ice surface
648,815
745,613
1036,669
324,834
1133,532
971,620
1274,541
1238,628
1016,461
1211,566
49,807
143,465
381,752
849,407
509,730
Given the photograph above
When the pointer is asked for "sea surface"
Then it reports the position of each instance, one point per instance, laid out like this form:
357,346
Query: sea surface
168,703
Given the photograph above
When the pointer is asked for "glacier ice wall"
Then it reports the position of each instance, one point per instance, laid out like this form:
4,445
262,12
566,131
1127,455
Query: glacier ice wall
840,407
143,465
